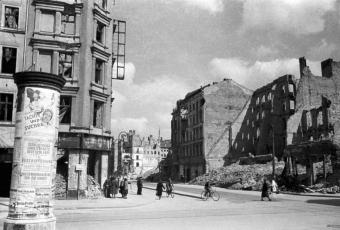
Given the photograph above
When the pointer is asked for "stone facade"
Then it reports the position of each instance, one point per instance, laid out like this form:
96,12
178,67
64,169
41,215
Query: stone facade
201,126
73,39
12,48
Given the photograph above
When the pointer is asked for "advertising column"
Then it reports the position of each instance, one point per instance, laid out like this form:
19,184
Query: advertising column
34,156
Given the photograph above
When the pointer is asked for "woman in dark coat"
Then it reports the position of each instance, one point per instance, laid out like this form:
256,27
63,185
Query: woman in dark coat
159,189
265,190
106,188
125,188
114,187
139,186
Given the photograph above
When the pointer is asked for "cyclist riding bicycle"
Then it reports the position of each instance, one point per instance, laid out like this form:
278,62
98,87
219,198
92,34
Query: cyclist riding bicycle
207,189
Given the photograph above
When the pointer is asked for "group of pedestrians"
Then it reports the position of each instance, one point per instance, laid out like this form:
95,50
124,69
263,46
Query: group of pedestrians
113,185
169,186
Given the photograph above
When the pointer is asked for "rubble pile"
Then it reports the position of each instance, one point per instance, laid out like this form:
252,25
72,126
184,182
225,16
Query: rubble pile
93,188
324,188
60,187
236,176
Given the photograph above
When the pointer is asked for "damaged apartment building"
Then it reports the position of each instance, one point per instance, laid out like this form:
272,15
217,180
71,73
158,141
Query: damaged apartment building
81,41
260,130
200,127
293,120
314,129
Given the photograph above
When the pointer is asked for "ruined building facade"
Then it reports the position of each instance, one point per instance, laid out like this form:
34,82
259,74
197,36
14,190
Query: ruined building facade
200,127
143,154
314,129
73,39
260,130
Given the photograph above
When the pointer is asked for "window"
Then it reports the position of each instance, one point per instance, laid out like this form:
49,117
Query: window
65,65
98,114
100,32
65,109
284,106
104,4
47,21
9,59
292,104
11,17
137,157
98,71
67,24
45,61
137,164
6,107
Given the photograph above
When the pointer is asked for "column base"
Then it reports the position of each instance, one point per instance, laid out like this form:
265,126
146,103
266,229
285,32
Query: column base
73,194
34,224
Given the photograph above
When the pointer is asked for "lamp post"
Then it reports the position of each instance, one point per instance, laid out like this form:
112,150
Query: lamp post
35,148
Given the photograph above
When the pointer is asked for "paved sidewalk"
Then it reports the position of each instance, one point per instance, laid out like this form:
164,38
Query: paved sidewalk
133,200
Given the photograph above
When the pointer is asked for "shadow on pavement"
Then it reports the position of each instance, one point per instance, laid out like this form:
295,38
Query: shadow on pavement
333,202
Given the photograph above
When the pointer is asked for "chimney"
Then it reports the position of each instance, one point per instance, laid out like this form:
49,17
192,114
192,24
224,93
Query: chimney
327,68
303,64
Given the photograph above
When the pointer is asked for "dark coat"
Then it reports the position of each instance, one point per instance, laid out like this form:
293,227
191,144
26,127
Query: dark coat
265,189
159,189
114,186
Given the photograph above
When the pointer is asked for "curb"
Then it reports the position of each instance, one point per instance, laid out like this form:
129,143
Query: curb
286,193
180,194
311,195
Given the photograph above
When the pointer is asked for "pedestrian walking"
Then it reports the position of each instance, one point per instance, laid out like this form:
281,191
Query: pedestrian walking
139,186
121,186
114,185
125,188
275,187
265,190
106,187
169,186
159,189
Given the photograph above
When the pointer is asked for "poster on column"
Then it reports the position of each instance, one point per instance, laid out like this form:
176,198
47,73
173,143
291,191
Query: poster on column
40,120
40,113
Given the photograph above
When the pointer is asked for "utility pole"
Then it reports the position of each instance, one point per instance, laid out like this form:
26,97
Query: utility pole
273,155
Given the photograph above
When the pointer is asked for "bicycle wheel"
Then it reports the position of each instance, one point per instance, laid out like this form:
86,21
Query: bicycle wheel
203,196
215,196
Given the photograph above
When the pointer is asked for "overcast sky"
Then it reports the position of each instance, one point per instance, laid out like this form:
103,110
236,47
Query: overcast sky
175,46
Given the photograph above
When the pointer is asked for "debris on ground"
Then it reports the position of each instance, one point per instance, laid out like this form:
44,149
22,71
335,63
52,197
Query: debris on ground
236,176
93,188
250,177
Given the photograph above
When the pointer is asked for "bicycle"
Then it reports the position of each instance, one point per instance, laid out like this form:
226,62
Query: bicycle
213,194
170,193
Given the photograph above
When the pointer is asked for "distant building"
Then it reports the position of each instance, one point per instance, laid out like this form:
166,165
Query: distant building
261,127
200,127
144,154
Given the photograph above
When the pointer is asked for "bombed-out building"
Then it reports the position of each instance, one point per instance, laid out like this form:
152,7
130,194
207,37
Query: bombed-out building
313,132
260,129
200,127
